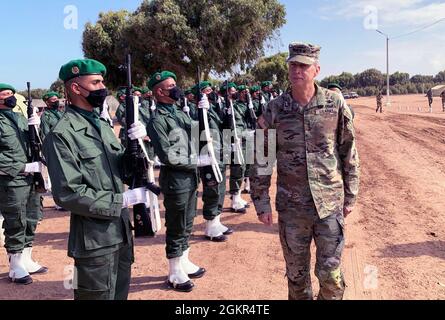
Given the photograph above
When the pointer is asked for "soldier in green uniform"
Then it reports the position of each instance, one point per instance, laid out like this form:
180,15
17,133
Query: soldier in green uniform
85,163
171,135
318,176
19,203
238,172
266,88
255,93
213,196
429,94
120,113
51,115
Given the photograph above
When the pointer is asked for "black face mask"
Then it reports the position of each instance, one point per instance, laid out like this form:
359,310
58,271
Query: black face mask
213,97
54,105
175,94
235,96
96,98
10,102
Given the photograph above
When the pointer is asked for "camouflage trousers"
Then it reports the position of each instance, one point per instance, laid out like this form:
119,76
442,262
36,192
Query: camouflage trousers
379,108
297,229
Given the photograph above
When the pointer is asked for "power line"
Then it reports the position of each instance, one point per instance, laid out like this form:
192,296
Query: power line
418,30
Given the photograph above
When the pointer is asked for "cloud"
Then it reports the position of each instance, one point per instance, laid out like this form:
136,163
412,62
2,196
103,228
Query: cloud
390,12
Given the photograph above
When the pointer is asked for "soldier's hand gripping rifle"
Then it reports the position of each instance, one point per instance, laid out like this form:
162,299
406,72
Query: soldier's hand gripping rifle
35,145
237,148
138,171
212,174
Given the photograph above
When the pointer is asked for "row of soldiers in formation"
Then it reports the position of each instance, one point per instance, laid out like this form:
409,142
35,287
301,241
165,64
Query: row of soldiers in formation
20,221
317,176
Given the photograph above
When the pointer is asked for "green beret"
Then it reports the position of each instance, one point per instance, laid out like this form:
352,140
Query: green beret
202,86
255,89
188,91
158,77
265,84
145,90
50,94
242,87
334,85
230,85
81,67
137,89
4,86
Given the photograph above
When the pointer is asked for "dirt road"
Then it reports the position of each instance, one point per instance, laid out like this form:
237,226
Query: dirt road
395,239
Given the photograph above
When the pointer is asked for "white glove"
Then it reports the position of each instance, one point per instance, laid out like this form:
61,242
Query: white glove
153,106
33,167
263,100
34,120
137,131
135,196
250,105
204,161
186,109
204,103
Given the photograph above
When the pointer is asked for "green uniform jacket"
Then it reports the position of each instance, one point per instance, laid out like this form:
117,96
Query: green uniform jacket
316,155
85,170
49,120
13,149
170,131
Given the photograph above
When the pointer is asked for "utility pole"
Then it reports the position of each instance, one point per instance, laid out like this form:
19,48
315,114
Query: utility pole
388,102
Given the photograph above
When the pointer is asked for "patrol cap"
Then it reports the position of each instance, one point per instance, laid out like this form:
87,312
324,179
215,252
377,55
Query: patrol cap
265,84
5,86
305,53
158,77
81,67
50,94
334,85
255,89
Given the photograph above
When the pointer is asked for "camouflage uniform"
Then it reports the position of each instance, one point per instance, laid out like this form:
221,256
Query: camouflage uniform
429,94
318,175
379,103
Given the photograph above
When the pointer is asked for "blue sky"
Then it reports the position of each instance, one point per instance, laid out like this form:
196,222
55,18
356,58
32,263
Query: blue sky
37,44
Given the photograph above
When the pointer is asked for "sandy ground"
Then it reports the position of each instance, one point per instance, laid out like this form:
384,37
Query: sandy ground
395,238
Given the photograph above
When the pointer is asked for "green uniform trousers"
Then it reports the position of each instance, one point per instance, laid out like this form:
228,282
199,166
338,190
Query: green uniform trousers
237,174
20,207
105,277
213,197
180,211
297,229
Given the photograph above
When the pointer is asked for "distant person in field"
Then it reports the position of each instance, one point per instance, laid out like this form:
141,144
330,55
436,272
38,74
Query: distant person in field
429,94
379,102
442,95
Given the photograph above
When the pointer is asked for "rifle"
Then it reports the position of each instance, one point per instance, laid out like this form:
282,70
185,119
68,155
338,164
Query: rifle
35,146
252,115
138,168
212,174
239,158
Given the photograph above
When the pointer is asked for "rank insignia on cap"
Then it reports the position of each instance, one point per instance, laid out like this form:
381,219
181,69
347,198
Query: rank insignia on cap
158,77
75,70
